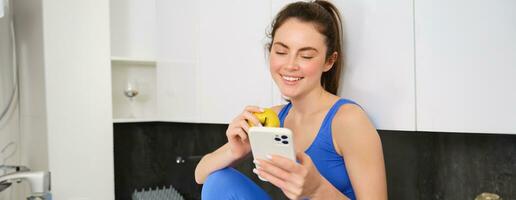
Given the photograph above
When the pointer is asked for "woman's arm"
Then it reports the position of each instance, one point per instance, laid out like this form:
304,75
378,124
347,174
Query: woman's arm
234,150
214,161
356,139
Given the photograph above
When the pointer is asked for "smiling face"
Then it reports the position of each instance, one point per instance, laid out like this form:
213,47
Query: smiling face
298,58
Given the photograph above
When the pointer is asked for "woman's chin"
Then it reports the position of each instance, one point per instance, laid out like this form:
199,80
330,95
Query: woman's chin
288,94
289,91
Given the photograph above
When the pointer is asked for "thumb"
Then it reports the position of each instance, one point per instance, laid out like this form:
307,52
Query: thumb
303,158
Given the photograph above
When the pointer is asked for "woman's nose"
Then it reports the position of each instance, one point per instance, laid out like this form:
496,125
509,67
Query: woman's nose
292,64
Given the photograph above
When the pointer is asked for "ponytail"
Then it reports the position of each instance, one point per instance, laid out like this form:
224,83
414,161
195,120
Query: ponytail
330,79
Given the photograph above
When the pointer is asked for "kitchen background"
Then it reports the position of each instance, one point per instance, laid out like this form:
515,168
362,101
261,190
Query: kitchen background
420,165
436,78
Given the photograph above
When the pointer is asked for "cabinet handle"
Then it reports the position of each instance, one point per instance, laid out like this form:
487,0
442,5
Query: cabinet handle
181,159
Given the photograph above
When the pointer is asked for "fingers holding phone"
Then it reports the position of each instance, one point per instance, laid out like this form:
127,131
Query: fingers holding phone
297,180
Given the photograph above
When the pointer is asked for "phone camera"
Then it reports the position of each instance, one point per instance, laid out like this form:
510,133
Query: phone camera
281,138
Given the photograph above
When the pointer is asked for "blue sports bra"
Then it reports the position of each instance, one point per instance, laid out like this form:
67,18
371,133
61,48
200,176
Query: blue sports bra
323,154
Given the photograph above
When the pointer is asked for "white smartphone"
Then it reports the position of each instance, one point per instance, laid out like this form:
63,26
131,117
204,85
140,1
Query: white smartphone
271,141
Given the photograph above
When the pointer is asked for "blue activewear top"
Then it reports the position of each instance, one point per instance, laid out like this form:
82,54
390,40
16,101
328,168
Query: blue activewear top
323,154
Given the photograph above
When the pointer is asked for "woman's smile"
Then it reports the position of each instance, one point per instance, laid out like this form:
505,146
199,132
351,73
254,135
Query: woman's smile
290,80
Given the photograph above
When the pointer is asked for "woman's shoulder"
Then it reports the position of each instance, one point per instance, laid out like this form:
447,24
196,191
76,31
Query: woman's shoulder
277,108
350,114
351,126
351,119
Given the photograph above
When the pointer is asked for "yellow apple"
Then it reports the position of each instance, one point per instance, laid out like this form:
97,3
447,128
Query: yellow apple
267,118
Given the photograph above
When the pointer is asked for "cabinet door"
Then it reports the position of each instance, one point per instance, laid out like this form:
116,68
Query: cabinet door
133,29
177,60
379,60
466,66
233,71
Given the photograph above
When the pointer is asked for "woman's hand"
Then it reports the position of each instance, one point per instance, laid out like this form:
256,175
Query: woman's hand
237,132
295,180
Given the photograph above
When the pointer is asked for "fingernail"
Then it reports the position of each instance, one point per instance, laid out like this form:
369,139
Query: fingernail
260,125
255,171
269,157
257,164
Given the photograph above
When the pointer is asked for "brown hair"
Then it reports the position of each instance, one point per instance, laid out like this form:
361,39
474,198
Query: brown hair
327,21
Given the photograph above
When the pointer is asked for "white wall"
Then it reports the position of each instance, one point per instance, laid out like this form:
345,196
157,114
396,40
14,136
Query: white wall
9,129
65,97
33,130
78,98
29,33
9,125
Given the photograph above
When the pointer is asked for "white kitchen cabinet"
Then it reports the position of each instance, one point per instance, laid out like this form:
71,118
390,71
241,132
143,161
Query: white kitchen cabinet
178,60
466,66
233,68
412,65
133,29
211,59
379,60
133,55
140,75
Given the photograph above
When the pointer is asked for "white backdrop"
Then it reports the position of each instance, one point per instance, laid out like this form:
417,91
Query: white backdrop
9,124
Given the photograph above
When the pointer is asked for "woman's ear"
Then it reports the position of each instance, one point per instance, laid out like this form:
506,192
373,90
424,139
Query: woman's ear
330,61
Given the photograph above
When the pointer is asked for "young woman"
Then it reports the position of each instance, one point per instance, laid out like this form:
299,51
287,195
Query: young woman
339,152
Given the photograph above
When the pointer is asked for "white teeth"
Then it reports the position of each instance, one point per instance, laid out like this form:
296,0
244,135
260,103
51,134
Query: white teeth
288,78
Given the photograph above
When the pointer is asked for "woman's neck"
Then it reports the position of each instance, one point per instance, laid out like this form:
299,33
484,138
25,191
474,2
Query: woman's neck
313,102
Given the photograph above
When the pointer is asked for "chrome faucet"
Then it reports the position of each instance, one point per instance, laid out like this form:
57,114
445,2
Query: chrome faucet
38,180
